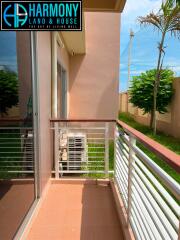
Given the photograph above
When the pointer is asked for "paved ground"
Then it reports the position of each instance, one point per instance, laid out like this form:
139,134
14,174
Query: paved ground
77,212
16,198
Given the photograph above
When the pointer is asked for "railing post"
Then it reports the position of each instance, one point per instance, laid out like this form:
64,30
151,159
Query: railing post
116,133
132,142
56,149
107,149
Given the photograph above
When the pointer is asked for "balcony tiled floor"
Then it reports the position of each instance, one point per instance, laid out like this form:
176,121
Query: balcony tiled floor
16,198
77,212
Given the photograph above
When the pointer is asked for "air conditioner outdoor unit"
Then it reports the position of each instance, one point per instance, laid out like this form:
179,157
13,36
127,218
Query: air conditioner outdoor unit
73,146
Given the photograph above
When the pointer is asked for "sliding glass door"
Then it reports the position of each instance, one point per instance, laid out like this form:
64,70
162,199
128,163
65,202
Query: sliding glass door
17,161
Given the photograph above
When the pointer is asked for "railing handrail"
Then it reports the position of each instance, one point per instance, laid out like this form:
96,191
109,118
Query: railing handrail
166,154
81,120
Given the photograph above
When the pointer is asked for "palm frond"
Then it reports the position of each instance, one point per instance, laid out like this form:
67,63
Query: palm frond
173,22
151,19
166,20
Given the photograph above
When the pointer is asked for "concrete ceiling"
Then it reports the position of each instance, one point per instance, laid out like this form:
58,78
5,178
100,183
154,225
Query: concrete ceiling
104,5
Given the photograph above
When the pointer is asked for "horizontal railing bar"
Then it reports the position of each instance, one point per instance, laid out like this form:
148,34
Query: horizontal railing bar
15,143
79,171
16,152
169,182
161,189
20,138
12,157
125,141
123,175
16,166
153,215
123,157
123,187
122,150
122,191
164,225
163,205
79,128
13,133
28,142
16,171
138,200
78,166
95,153
82,120
135,229
124,146
170,157
20,147
144,220
16,128
69,147
72,161
15,161
97,147
96,138
140,226
123,178
124,170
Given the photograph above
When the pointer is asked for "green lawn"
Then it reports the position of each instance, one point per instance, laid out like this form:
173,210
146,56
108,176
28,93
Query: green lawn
10,153
168,141
99,166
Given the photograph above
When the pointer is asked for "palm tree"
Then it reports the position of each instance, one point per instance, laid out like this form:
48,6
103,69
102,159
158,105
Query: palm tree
166,20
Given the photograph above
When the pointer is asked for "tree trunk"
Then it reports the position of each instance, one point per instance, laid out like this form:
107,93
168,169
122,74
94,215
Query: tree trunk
151,120
156,84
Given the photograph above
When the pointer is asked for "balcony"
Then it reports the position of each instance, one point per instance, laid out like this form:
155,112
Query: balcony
104,185
136,200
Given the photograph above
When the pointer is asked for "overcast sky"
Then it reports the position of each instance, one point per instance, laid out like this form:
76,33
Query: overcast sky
144,51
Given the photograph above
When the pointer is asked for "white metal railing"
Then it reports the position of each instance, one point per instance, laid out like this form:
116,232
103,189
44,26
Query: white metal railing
16,152
149,194
80,147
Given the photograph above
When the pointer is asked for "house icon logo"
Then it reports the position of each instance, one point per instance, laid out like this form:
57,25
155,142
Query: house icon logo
15,15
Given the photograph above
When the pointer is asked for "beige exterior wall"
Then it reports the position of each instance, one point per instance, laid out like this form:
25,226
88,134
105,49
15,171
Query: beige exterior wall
168,123
93,86
92,79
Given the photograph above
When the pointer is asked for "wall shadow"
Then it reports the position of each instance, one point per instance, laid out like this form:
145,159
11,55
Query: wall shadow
75,62
99,215
4,188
